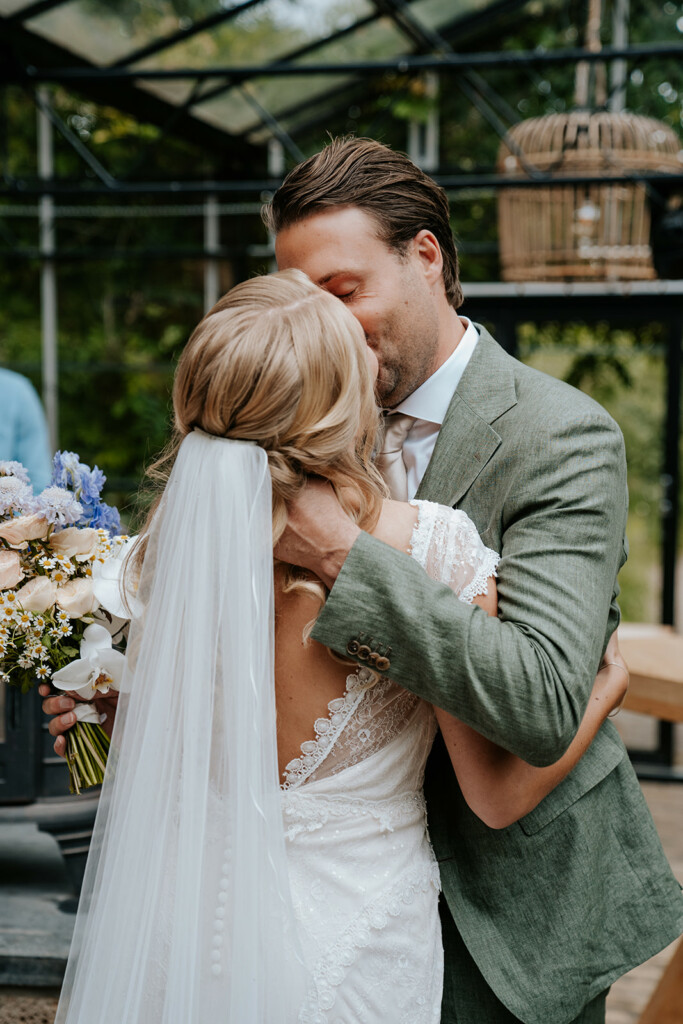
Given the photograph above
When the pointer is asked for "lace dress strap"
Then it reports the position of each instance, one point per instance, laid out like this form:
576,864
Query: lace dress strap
446,544
327,730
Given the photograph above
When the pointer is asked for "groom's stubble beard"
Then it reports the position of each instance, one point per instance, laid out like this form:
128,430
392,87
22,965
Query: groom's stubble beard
406,347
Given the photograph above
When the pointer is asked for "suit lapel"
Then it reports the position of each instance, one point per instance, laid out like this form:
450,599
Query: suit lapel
467,440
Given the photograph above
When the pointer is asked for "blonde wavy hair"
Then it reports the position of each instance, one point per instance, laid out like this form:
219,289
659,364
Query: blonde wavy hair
281,362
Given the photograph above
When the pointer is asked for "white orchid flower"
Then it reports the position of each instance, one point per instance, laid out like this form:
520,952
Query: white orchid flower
98,670
106,577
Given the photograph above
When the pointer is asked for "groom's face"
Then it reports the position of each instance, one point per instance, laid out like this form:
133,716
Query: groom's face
387,292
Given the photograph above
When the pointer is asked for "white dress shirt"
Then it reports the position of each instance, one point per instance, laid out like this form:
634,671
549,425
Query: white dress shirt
429,405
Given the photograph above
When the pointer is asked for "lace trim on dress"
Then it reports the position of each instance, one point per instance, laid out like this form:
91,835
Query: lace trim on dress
479,584
340,710
312,814
446,544
330,970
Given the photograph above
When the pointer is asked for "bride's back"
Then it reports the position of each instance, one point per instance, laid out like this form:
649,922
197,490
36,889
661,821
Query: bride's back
307,677
281,363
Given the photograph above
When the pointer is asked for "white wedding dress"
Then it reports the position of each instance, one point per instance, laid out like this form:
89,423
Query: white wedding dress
363,875
212,894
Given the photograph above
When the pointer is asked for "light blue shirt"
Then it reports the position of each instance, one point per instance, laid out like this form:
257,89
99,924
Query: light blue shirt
23,429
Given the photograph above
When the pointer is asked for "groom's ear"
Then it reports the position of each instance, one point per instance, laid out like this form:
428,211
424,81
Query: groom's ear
427,249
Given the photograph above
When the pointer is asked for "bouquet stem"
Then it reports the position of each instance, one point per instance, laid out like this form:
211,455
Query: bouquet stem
87,746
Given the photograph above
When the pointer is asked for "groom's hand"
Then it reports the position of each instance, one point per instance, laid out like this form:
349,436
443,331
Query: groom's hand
319,534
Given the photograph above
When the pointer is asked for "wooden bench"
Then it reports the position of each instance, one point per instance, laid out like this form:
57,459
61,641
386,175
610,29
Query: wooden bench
654,655
666,1003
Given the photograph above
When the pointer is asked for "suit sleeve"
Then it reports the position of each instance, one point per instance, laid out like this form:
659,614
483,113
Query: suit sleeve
522,679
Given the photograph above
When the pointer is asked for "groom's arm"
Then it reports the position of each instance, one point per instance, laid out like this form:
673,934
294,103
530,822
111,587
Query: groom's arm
523,679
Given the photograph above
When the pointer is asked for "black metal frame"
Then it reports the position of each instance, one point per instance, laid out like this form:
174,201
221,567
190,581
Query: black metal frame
661,184
179,117
446,63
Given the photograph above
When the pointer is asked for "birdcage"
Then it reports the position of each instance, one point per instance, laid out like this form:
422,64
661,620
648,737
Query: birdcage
581,232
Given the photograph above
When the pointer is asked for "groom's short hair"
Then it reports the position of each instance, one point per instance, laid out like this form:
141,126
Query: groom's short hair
385,184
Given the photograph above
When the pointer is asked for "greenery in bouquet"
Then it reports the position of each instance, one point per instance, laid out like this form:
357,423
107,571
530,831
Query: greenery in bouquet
54,623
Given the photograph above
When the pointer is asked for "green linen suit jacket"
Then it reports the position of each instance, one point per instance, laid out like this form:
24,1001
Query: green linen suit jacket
558,905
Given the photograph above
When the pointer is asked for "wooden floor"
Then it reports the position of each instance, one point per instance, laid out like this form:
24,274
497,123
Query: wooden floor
630,994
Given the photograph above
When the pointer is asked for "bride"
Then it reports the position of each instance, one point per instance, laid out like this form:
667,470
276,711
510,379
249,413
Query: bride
260,853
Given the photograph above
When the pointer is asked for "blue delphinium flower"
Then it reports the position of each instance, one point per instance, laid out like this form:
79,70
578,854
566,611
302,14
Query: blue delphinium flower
92,482
86,483
66,467
106,517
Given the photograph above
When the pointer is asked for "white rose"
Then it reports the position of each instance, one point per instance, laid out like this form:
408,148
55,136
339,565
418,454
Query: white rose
22,528
10,569
76,598
37,595
74,541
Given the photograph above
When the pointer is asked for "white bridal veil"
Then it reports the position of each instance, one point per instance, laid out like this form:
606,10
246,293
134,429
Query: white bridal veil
185,915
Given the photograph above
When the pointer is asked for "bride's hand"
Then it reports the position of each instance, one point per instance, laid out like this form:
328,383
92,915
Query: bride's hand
319,534
61,706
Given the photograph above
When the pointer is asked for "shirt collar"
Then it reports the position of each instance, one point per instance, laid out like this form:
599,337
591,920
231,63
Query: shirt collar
431,400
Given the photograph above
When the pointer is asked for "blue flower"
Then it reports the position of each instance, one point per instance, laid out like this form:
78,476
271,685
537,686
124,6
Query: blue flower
106,517
66,468
92,482
86,485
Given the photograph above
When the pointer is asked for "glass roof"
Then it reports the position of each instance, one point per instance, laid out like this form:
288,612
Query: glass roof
203,34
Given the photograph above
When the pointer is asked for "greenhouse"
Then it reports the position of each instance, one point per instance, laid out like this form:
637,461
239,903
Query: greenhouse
140,141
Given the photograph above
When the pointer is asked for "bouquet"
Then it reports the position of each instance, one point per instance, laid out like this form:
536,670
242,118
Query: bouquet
54,590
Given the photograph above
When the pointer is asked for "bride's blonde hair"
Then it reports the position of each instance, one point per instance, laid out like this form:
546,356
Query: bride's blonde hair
281,362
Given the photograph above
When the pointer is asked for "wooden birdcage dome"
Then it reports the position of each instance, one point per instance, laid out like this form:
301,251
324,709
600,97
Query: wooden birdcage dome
579,232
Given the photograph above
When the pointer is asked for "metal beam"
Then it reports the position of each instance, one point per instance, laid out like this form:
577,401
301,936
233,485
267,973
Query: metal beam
447,63
312,101
404,19
93,163
662,183
466,26
33,10
302,51
272,124
471,23
184,33
48,274
19,46
471,85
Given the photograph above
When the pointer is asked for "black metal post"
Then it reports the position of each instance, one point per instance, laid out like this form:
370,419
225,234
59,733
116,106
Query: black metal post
670,507
671,471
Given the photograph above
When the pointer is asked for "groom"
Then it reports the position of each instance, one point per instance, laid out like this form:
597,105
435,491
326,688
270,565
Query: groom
541,917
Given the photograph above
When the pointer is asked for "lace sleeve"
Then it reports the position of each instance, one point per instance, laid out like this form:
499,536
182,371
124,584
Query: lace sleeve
446,544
